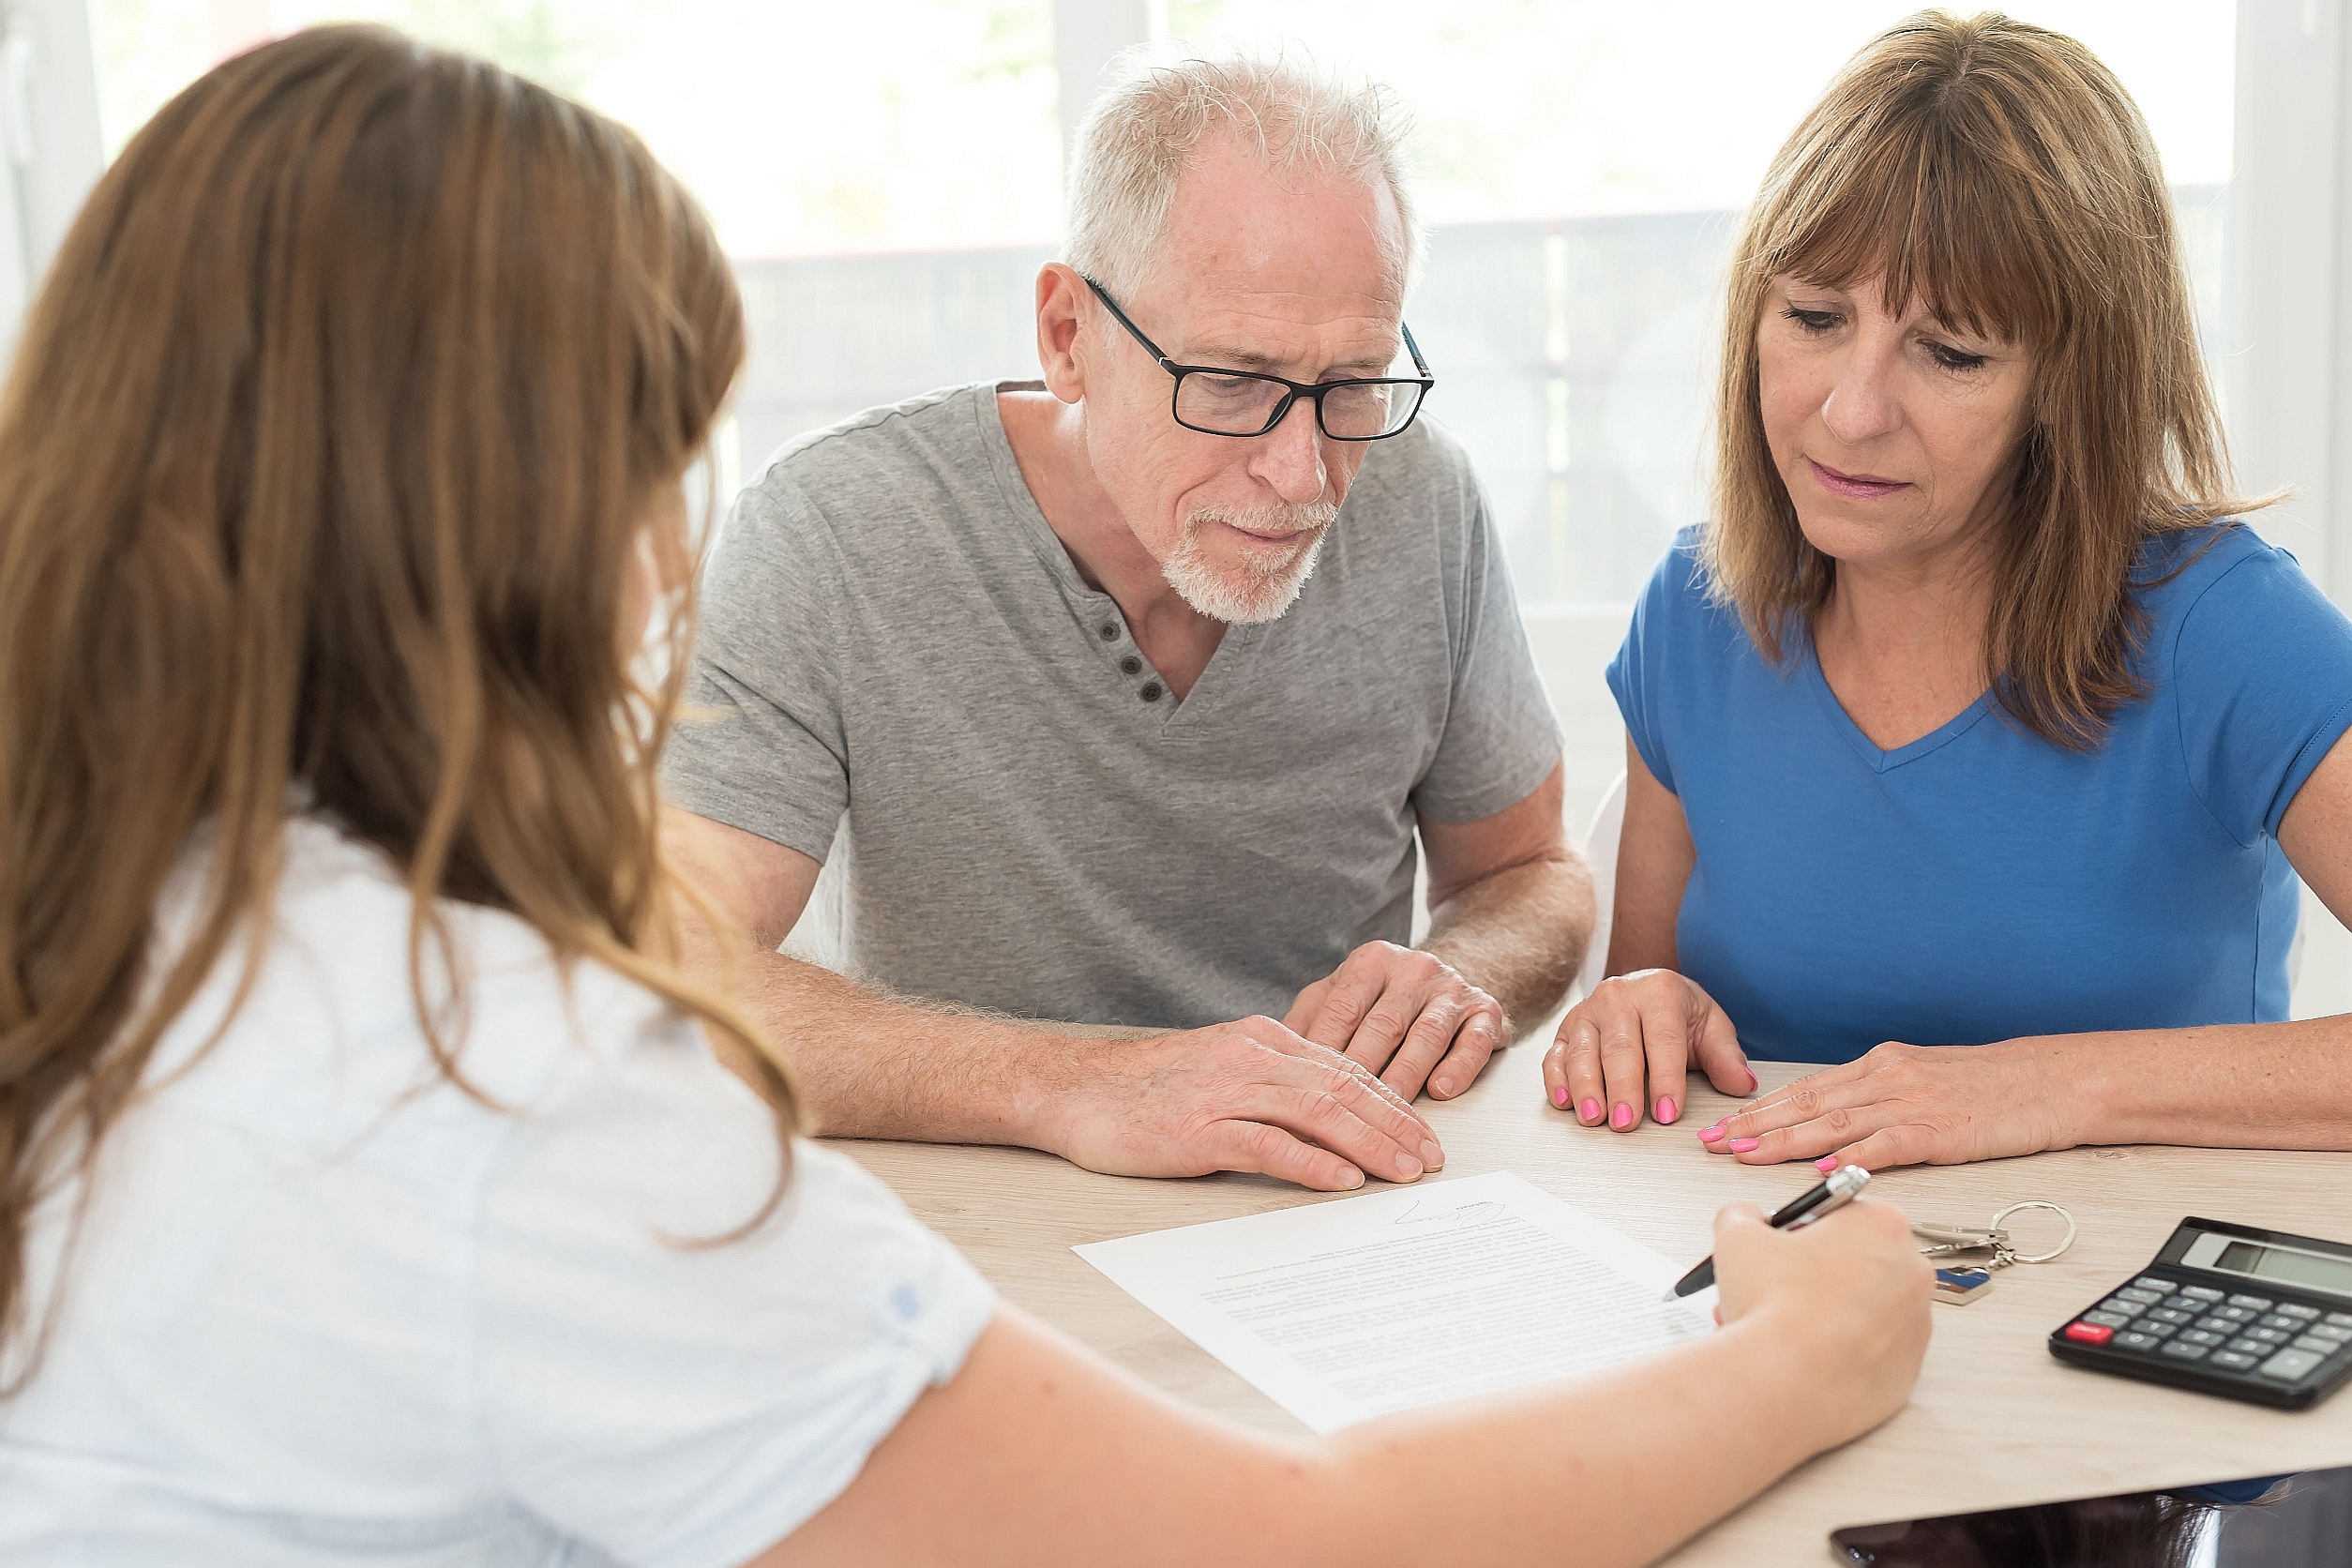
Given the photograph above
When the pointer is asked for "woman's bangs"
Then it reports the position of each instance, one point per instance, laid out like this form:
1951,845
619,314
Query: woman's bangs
1929,225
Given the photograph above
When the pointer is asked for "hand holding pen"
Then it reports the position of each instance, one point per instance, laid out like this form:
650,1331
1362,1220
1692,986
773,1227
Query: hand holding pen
1833,1192
1830,1322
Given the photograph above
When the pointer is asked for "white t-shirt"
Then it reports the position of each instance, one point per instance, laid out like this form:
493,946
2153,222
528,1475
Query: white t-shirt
325,1307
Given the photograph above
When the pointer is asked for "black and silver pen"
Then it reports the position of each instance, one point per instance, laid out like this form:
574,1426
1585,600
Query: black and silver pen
1835,1191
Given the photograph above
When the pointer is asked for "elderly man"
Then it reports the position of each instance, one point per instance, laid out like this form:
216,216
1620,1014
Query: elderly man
1110,710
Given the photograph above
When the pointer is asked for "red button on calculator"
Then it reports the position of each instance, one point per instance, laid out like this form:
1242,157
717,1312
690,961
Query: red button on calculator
2090,1334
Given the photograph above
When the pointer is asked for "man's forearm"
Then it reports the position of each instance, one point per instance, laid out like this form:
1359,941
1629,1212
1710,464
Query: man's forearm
1519,935
1248,1097
868,1066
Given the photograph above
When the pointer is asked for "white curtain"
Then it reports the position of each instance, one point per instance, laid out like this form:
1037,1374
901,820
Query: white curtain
50,150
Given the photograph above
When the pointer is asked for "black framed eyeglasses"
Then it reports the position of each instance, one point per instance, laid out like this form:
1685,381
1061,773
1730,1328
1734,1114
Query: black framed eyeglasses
1217,402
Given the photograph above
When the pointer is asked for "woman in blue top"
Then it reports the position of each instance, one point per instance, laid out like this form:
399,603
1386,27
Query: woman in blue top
1970,719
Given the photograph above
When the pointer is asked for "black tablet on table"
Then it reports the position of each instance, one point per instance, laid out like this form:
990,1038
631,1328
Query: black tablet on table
2273,1522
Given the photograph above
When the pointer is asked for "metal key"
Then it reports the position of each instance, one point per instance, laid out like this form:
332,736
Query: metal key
1945,1240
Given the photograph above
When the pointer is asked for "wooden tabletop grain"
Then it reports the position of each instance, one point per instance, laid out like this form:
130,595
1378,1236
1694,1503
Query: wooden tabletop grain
1995,1420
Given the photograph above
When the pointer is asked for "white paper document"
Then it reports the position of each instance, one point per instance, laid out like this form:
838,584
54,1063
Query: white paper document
1342,1311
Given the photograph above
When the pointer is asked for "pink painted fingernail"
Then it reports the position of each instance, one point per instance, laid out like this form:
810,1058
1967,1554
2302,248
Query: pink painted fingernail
1742,1145
1560,1096
1666,1112
1826,1163
1711,1135
1589,1110
1623,1117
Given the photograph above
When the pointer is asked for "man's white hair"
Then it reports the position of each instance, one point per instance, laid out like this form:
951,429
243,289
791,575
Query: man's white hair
1143,133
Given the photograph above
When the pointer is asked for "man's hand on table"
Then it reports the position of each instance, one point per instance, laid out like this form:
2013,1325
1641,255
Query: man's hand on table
1405,1014
1907,1105
1250,1097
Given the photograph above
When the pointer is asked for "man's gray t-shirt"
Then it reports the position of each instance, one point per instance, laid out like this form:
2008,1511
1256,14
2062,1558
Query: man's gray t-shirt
896,645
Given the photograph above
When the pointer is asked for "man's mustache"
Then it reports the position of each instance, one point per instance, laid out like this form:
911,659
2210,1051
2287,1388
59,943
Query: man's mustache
1287,520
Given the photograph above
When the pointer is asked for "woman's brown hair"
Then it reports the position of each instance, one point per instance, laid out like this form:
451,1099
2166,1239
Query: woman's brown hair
2001,175
347,403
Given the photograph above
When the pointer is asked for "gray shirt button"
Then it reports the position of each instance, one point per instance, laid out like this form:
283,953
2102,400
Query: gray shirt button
1151,692
1110,631
1131,666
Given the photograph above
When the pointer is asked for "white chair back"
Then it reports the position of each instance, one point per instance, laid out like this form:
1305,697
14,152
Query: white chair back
1600,851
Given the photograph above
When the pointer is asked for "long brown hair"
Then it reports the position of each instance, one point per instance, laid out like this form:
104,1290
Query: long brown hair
325,452
2001,174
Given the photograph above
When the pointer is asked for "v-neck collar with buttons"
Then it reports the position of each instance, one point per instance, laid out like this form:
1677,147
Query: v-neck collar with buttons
1879,758
1092,608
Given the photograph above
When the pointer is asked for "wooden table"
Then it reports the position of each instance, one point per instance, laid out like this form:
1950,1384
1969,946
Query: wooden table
1995,1420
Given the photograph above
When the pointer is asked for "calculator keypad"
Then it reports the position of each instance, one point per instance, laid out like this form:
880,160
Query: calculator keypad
2244,1334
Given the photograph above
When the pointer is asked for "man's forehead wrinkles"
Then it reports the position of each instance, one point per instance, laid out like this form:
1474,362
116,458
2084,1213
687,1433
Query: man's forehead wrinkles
1259,335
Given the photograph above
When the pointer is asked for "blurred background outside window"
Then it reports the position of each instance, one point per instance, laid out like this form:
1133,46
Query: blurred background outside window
888,176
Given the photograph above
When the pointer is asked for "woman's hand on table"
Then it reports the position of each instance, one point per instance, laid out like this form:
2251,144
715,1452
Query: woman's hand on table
1626,1050
1907,1105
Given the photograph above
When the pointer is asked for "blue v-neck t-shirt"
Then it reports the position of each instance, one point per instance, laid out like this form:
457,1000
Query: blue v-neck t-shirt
1981,884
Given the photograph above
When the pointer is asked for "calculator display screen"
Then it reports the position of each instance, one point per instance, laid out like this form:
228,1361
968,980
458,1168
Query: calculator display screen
2332,1275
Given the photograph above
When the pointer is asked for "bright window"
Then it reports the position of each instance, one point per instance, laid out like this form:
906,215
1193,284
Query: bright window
887,175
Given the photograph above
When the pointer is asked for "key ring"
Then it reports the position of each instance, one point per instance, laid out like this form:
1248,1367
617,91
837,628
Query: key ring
2037,1203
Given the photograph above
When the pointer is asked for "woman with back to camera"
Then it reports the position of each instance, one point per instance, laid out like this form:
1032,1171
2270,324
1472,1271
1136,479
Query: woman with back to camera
1971,718
372,1192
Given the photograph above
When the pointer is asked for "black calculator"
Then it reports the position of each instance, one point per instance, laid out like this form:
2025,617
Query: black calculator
2255,1315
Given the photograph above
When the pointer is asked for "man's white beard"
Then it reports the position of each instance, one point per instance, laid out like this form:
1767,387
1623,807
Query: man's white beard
1253,589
